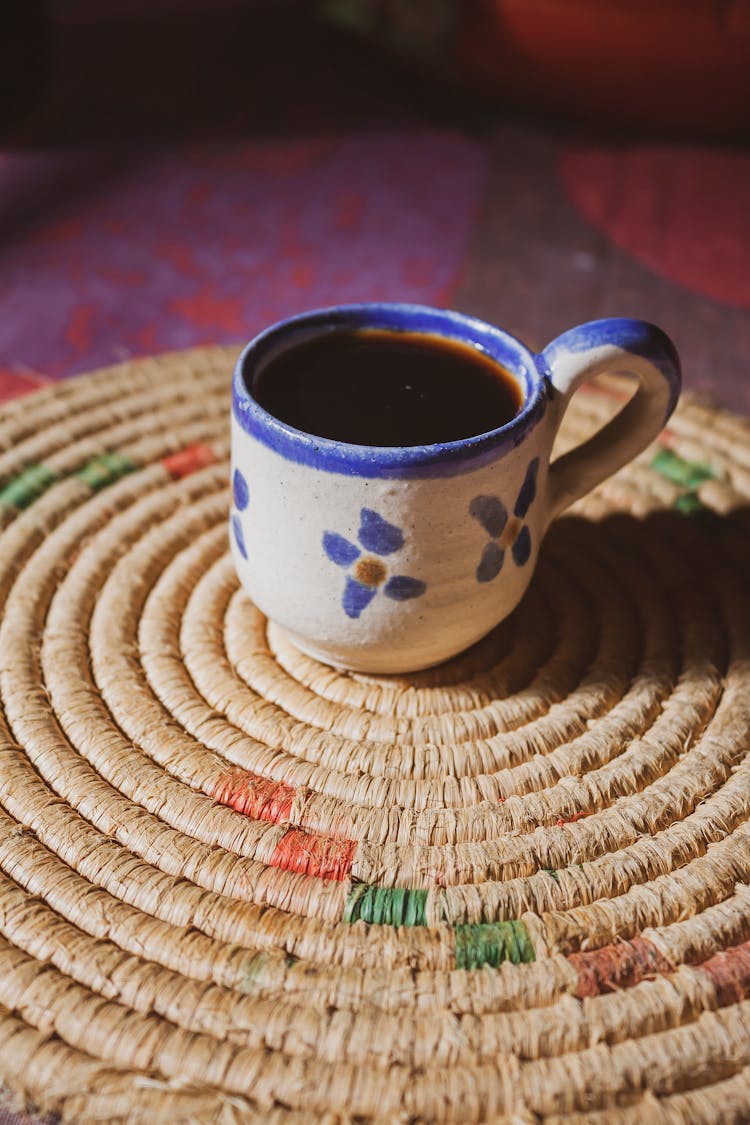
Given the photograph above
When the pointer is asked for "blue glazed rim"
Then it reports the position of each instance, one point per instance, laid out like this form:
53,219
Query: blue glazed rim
440,459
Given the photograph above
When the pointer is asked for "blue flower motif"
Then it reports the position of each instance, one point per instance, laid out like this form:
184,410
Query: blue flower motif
241,495
505,532
239,536
379,538
240,490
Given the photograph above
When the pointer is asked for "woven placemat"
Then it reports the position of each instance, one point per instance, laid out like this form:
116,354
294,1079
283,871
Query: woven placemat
239,886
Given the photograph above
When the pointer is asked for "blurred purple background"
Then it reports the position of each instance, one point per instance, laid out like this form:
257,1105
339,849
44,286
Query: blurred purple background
175,174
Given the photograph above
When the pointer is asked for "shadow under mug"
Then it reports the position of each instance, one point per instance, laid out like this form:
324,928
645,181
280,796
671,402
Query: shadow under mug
392,559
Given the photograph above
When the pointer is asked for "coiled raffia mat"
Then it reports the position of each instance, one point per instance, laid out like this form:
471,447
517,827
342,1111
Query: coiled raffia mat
238,886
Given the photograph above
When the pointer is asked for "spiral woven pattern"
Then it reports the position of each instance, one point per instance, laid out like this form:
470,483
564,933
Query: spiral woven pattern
239,886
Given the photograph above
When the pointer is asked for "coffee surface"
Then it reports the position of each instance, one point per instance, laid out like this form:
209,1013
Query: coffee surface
382,388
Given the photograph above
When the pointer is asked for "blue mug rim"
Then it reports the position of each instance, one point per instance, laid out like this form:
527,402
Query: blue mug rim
439,459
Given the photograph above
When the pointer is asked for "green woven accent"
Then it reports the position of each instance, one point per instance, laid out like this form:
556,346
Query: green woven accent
386,906
687,474
491,943
552,872
27,487
690,504
256,970
104,470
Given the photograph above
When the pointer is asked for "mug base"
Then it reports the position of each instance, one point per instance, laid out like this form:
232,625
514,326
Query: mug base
374,664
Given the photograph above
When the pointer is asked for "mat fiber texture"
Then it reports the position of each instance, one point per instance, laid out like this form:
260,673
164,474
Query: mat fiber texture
239,886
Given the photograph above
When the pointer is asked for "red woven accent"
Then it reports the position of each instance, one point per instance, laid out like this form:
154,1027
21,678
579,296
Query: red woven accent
188,460
255,796
314,855
730,973
617,966
572,819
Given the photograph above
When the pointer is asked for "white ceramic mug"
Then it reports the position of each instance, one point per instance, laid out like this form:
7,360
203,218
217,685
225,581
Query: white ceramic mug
391,559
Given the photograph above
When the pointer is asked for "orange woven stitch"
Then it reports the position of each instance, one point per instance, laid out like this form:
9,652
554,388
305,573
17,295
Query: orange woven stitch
617,966
730,973
255,796
314,855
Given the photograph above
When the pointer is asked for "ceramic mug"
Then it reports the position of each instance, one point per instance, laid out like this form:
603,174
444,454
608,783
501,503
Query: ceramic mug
392,559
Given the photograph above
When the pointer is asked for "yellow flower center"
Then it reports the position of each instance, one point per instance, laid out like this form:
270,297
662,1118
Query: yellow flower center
370,572
510,532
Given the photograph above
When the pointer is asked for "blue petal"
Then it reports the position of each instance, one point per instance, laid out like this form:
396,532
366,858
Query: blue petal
239,538
376,534
521,549
240,490
528,490
491,562
401,588
338,549
491,513
356,597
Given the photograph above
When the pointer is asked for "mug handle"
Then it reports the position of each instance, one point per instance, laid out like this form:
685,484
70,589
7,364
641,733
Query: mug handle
617,345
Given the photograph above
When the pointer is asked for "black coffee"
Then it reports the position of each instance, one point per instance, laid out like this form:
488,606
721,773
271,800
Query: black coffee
375,387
